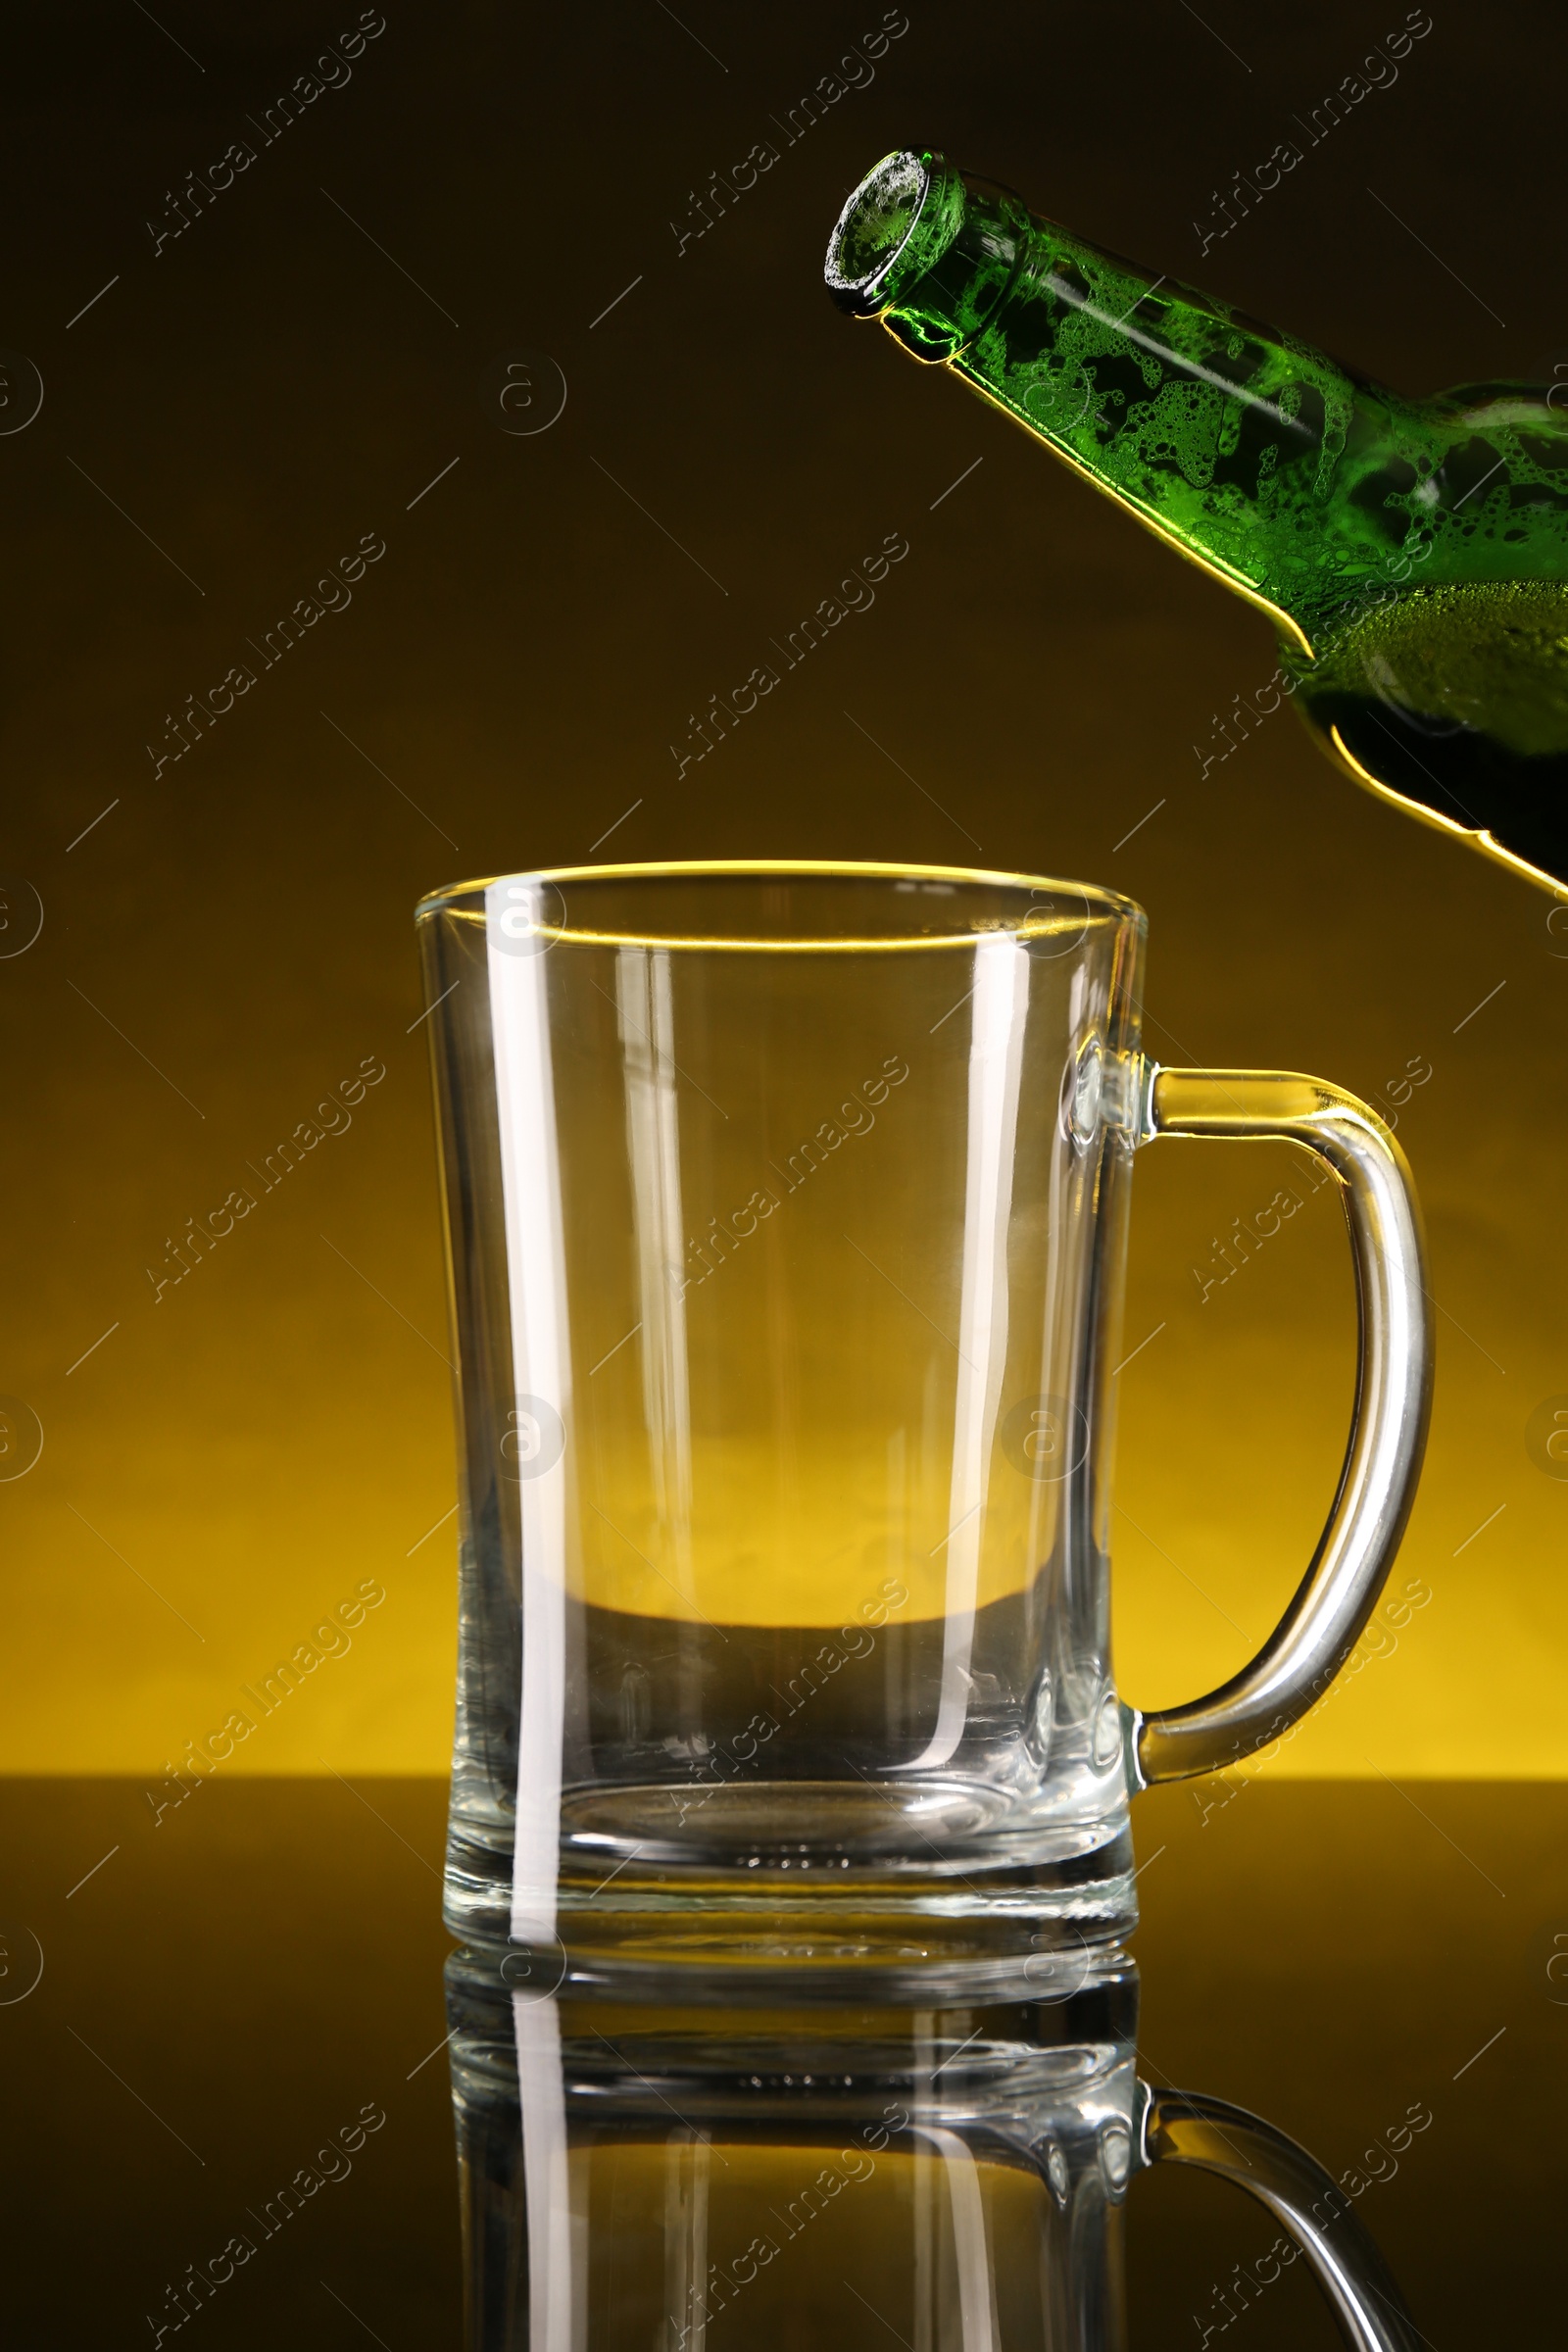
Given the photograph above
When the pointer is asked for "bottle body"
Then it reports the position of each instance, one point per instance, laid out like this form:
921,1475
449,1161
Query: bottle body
1413,554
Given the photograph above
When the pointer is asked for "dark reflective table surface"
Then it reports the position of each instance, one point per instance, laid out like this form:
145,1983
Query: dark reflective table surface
229,2093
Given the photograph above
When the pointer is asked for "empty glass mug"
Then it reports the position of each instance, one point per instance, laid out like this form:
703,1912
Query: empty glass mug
787,1220
950,2178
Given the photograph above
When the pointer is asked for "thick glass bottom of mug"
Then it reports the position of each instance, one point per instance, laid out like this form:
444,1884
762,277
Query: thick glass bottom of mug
805,1888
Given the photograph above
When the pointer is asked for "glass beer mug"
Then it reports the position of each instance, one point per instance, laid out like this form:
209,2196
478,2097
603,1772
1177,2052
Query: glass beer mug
787,1220
637,2177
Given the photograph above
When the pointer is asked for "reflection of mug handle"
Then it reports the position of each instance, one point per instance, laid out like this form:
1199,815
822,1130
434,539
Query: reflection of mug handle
1179,2127
1387,1427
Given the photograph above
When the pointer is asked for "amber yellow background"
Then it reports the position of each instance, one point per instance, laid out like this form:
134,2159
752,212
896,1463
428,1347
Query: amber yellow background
231,939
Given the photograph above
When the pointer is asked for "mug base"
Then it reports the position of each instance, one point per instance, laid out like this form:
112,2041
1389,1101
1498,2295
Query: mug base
813,1900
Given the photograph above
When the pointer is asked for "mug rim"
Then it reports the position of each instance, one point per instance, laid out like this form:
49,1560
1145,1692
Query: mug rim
1093,900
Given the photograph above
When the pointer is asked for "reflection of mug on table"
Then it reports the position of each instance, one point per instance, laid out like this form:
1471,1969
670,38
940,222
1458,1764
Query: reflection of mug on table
950,2178
787,1210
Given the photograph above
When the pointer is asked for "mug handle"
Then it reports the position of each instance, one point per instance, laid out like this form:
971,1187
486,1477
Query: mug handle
1388,1424
1179,2127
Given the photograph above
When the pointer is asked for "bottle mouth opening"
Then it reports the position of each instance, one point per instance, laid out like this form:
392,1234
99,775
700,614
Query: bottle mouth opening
873,230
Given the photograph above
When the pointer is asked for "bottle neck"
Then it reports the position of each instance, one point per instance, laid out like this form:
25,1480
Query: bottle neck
1215,430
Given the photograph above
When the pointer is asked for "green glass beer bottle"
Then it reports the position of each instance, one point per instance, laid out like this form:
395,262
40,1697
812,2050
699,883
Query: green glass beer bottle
1412,554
